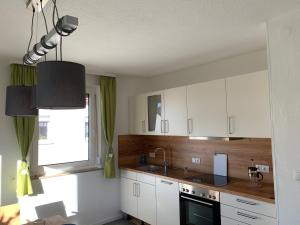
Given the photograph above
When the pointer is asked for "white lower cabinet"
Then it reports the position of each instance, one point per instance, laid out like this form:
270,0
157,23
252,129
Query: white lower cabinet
128,197
237,210
146,203
227,221
167,194
138,197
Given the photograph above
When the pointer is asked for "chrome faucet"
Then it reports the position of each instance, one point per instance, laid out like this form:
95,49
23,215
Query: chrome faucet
165,164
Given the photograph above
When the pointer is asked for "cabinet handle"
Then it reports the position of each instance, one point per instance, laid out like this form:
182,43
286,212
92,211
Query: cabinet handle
246,215
190,125
143,126
166,182
166,126
230,120
138,190
245,201
134,189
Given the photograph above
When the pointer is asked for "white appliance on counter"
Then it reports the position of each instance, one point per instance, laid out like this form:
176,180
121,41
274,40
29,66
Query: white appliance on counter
220,164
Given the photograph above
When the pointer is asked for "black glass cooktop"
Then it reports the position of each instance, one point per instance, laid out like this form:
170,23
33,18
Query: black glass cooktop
209,179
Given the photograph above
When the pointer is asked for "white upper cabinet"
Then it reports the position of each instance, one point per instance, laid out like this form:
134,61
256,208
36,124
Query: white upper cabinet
154,113
138,114
248,105
175,122
233,107
206,104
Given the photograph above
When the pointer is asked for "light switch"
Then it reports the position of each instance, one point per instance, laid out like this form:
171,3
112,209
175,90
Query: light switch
296,174
152,154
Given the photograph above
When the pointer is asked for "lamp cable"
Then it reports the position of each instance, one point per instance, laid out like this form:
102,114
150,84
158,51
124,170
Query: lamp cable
31,29
45,21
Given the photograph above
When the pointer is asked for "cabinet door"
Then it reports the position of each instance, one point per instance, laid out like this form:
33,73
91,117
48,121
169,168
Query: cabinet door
167,194
146,203
138,114
128,196
248,105
154,113
207,114
175,111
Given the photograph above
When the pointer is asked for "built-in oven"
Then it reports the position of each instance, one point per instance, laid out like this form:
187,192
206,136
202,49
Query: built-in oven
199,206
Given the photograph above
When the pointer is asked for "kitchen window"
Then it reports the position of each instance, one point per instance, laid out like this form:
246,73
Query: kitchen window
67,140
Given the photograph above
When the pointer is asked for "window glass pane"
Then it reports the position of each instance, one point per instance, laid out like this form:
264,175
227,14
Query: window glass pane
63,135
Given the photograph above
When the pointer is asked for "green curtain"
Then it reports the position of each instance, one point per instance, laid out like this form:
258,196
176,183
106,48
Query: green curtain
108,114
24,126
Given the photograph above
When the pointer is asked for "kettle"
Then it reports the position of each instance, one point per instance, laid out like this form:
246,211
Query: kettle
254,175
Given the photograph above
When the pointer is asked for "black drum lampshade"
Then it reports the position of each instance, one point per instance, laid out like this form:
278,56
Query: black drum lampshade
19,101
60,85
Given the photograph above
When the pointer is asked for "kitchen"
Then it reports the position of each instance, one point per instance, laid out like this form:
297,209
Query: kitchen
193,154
188,112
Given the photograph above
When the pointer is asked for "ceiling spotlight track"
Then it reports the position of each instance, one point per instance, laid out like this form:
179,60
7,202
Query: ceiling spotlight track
64,27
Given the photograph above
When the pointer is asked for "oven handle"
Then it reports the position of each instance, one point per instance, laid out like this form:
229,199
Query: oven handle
195,200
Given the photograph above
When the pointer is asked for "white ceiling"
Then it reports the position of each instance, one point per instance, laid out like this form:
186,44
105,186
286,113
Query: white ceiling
147,37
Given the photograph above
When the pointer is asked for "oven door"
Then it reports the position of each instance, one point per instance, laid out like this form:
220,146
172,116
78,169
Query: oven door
198,211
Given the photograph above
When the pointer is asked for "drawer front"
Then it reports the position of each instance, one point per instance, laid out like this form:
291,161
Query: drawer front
148,179
246,216
128,174
252,205
227,221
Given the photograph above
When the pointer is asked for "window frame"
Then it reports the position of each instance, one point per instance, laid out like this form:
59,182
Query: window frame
94,161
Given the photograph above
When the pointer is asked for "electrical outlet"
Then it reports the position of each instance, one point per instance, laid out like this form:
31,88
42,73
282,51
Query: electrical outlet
152,154
263,168
196,160
296,174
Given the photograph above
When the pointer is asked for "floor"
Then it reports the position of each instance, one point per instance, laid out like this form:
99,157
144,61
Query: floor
121,222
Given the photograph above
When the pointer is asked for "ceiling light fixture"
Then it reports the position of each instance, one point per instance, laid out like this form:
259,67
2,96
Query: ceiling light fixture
36,4
60,84
19,101
19,98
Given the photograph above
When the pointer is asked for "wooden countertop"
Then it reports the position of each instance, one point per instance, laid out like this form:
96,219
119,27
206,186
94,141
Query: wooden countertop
264,192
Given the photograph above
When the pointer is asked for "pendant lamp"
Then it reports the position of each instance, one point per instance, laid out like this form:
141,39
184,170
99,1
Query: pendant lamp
60,85
19,101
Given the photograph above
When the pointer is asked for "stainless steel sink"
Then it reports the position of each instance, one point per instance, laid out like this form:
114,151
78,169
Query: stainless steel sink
150,168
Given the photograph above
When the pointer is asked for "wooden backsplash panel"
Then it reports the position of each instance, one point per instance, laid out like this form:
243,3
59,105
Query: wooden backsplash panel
180,151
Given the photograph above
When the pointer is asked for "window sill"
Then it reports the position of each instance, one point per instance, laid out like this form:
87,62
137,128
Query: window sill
37,177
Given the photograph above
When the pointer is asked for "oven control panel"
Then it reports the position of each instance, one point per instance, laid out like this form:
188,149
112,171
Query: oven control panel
199,192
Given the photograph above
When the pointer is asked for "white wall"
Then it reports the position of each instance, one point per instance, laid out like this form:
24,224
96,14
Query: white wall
284,60
8,145
237,65
87,197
